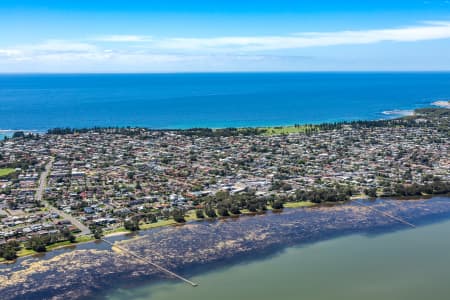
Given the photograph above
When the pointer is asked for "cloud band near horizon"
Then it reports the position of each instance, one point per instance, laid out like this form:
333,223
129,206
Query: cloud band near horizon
124,49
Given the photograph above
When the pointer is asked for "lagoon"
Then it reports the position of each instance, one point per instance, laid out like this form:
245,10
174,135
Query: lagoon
345,250
406,264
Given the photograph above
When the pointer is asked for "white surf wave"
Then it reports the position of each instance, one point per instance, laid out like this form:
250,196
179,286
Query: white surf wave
398,112
442,103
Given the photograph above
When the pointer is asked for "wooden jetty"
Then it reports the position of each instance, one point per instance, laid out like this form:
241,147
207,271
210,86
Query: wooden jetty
398,219
156,266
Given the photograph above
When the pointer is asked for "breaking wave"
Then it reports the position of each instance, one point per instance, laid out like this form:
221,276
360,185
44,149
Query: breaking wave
444,104
398,112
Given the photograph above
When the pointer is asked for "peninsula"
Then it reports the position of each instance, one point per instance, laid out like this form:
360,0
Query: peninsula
73,185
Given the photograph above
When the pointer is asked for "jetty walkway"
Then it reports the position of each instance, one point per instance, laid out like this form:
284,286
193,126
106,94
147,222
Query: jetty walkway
398,219
156,266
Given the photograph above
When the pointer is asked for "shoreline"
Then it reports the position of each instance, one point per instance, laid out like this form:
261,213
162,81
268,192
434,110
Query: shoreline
119,232
172,247
262,256
133,235
383,115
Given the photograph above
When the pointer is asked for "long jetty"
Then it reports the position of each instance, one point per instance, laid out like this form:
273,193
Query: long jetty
156,266
398,219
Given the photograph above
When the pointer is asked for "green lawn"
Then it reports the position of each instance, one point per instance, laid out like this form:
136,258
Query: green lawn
278,130
6,171
84,239
24,252
160,223
298,204
190,216
59,244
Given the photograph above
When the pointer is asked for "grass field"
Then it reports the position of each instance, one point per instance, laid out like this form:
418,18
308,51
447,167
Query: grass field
84,239
6,171
160,223
25,252
298,204
278,130
284,130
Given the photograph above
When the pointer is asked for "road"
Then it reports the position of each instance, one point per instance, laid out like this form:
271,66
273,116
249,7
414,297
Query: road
40,195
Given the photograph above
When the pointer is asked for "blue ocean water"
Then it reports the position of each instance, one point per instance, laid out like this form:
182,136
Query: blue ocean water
39,102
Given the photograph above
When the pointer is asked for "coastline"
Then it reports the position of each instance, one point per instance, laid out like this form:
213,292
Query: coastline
279,127
276,128
121,231
191,218
228,241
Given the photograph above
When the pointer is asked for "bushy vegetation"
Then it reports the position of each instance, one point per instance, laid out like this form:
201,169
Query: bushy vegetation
9,250
132,224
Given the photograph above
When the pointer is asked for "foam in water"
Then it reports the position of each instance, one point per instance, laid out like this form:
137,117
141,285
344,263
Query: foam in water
444,104
398,112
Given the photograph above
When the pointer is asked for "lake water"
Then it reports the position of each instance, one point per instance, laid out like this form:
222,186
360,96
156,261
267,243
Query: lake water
345,251
407,264
39,102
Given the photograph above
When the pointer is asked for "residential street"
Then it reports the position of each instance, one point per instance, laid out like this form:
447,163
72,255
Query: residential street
39,197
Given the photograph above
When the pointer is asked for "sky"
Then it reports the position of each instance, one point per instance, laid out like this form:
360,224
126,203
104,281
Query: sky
117,36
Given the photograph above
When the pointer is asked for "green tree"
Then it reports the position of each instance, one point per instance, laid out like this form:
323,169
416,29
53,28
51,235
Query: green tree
178,216
9,250
372,192
132,225
222,211
210,212
235,210
98,232
199,213
68,235
36,243
277,204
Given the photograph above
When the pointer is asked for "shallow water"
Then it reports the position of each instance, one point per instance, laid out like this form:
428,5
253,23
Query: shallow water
406,264
92,270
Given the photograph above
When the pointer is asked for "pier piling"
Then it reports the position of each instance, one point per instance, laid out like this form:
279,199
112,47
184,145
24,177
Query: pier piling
398,219
156,266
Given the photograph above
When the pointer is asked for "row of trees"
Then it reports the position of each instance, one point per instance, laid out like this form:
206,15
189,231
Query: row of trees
223,132
319,195
224,204
9,250
37,243
437,187
23,135
130,131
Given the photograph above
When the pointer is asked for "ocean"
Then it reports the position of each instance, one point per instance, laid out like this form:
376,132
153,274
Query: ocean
40,102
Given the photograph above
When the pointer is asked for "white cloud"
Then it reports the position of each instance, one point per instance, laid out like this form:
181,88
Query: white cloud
428,31
194,53
56,50
124,38
9,52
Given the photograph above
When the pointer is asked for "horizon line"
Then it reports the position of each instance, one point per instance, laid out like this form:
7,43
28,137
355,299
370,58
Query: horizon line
224,72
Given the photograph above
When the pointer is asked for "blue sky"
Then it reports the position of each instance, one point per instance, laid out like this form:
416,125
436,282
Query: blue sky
214,36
